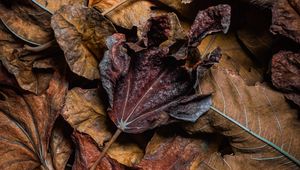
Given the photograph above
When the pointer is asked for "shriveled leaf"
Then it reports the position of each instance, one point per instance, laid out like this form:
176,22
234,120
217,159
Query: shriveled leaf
286,19
85,112
53,5
147,88
61,146
81,33
87,153
261,127
26,125
28,22
33,72
285,71
129,14
167,151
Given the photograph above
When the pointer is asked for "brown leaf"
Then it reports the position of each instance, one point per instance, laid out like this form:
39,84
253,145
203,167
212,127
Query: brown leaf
33,72
61,146
255,119
286,19
167,151
129,14
26,125
81,33
85,112
53,5
28,22
87,153
285,71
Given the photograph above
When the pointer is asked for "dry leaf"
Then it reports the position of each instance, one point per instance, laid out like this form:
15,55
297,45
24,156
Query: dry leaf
286,19
28,22
85,112
285,69
60,145
87,153
261,127
129,14
26,125
169,151
53,5
81,33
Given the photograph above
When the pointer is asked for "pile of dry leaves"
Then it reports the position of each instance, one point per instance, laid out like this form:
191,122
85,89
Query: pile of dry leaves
150,85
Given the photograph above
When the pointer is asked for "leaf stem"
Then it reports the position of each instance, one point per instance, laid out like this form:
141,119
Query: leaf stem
40,47
295,160
107,146
113,7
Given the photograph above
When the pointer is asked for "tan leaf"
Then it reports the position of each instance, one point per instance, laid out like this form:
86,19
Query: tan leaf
85,112
53,5
61,146
169,151
261,127
129,14
26,124
81,34
33,72
28,22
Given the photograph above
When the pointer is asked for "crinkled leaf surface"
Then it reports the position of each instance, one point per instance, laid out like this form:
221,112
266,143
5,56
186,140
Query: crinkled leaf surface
131,13
81,33
33,72
148,87
169,151
53,5
286,19
26,125
87,153
26,21
285,71
85,112
246,110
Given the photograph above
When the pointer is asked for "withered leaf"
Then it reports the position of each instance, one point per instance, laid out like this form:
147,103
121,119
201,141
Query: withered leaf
286,19
60,146
129,14
87,153
27,21
285,71
261,127
169,151
81,33
26,126
147,88
33,72
53,5
85,112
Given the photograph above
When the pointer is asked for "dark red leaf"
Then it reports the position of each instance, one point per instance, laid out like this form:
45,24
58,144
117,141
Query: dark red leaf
150,87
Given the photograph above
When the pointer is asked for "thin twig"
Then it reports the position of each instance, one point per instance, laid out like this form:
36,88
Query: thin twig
114,7
107,146
40,47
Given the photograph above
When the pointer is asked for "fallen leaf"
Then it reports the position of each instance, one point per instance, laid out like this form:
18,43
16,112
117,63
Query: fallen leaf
87,153
85,112
285,69
26,125
81,33
260,126
286,19
60,145
129,14
28,22
54,5
169,151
